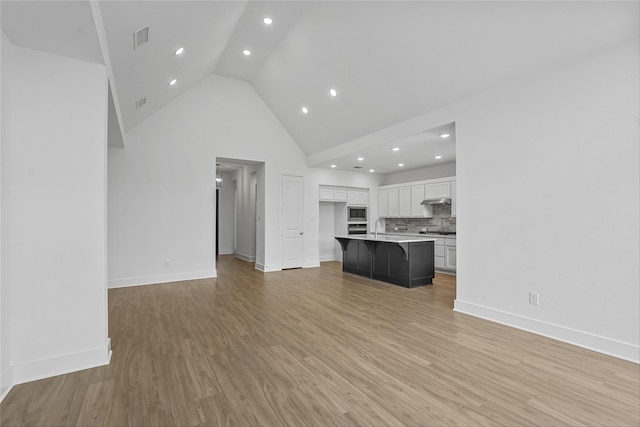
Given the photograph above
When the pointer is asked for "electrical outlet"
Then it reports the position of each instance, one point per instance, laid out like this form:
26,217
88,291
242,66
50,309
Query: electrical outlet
166,263
534,298
424,228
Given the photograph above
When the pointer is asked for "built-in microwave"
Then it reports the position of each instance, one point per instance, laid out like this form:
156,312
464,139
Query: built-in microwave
356,214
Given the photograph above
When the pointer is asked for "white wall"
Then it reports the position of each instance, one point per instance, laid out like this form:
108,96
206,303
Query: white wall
246,179
548,195
6,380
161,187
227,215
54,215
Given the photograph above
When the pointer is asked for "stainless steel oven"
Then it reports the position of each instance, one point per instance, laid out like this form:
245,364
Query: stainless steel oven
357,228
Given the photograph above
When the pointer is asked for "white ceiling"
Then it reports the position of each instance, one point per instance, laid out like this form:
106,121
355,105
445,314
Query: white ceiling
388,60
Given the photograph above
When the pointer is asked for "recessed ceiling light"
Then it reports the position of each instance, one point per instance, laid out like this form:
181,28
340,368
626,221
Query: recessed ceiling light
360,159
333,166
438,157
371,170
267,20
246,52
444,135
305,110
172,82
395,149
179,51
401,164
333,92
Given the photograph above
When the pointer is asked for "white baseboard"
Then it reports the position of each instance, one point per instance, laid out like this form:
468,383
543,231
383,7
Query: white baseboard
166,278
583,339
329,258
226,251
7,383
45,368
268,268
311,264
248,258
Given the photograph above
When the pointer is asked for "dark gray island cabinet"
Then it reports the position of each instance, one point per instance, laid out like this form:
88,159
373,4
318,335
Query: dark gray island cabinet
407,262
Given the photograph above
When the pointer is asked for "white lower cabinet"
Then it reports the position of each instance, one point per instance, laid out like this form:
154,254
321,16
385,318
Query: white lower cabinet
439,255
445,254
450,258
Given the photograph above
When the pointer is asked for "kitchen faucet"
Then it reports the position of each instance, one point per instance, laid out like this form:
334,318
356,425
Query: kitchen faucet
379,220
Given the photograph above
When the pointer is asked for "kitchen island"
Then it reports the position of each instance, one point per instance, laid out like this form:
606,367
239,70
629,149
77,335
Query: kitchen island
405,261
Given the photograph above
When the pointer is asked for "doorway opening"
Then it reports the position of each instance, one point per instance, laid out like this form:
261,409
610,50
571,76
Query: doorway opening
239,183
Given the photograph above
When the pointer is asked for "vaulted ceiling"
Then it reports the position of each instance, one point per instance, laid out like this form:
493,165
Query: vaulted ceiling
388,61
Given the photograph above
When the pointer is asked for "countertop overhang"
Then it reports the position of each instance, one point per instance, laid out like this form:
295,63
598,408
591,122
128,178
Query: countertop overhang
388,239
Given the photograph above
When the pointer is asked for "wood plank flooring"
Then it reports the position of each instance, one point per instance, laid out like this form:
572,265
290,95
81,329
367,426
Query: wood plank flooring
316,347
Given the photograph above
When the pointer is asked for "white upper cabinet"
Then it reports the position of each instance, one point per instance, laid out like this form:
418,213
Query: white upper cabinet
326,194
404,202
383,203
437,190
340,195
330,193
453,199
417,196
357,198
393,202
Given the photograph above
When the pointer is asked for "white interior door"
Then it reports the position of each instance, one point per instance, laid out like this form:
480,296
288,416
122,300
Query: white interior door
291,211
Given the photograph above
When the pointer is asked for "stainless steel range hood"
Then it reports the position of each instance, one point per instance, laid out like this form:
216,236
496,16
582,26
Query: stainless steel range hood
440,201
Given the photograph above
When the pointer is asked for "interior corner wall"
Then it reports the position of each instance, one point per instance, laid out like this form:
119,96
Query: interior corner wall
548,202
161,189
6,61
53,214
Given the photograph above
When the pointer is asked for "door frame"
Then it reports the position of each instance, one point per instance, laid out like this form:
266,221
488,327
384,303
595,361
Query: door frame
282,217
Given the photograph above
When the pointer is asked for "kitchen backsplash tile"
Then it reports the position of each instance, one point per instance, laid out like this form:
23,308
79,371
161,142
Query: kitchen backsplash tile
441,221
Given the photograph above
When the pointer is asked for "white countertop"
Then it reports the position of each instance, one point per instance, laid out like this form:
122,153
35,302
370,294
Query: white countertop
399,233
390,238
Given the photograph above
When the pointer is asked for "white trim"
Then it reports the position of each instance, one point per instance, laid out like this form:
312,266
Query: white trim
7,382
583,339
226,251
248,258
328,258
311,264
166,278
45,368
268,269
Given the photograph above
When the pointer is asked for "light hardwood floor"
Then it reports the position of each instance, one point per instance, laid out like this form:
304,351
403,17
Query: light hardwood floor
316,347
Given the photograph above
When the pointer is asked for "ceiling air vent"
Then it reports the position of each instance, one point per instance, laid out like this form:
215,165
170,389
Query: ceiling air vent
140,37
357,167
140,102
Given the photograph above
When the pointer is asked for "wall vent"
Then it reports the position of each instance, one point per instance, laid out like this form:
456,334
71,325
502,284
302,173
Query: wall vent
357,167
140,37
140,102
